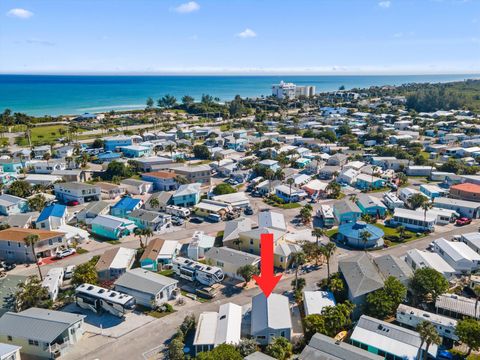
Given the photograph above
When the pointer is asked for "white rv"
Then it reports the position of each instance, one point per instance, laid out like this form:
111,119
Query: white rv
177,211
195,271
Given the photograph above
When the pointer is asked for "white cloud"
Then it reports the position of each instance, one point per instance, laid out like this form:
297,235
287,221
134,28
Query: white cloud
20,13
247,33
188,7
385,4
36,41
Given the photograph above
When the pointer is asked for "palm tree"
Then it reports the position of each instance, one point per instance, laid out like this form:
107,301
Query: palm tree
238,242
147,233
290,182
401,231
426,206
138,232
353,198
298,259
476,290
31,240
318,233
170,148
328,251
154,203
428,335
365,236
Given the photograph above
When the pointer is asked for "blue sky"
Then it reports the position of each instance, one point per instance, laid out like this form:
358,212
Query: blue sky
240,36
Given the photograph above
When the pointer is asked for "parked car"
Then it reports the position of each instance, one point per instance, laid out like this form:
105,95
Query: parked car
177,221
7,266
463,221
215,218
248,210
196,220
64,253
73,203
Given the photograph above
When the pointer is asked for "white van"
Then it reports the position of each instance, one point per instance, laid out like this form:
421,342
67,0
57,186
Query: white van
68,274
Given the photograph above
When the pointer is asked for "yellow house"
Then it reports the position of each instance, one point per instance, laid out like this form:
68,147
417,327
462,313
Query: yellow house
249,241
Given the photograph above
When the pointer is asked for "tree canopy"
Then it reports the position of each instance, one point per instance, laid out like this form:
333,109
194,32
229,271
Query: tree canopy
280,348
468,331
221,352
427,282
384,302
224,188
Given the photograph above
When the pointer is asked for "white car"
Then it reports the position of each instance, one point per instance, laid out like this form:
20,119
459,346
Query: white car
64,253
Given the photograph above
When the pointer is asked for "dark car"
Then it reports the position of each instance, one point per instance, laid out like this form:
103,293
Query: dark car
196,220
248,211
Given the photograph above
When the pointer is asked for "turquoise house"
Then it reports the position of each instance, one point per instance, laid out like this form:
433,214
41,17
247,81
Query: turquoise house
302,162
112,227
125,206
10,205
7,178
372,206
369,182
187,195
346,211
135,151
11,166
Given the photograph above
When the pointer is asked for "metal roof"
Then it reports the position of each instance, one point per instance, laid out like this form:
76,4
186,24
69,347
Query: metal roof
144,281
232,256
126,203
270,313
459,304
361,274
37,324
55,210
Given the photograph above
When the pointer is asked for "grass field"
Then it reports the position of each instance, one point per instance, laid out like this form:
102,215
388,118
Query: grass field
44,135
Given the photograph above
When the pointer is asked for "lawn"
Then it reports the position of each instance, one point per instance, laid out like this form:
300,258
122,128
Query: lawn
41,135
332,232
168,272
393,232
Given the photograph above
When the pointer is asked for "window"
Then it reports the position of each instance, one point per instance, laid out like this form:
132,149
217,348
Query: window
33,342
9,338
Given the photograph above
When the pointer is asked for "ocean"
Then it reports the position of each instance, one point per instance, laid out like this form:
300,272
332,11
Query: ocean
39,95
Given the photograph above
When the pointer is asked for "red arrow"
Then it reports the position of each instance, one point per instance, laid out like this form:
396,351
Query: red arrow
267,279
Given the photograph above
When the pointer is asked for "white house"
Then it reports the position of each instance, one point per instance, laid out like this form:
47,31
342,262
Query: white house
458,254
315,301
418,259
414,220
472,240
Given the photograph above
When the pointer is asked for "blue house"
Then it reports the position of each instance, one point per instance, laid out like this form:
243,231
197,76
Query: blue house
351,234
269,164
52,217
346,211
11,165
111,143
187,195
10,205
112,227
371,206
302,162
135,151
238,144
432,191
108,156
125,206
162,180
369,182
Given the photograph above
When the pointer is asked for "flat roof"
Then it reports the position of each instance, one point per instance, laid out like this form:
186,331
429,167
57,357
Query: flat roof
315,301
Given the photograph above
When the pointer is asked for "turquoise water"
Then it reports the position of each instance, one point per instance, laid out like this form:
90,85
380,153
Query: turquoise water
66,94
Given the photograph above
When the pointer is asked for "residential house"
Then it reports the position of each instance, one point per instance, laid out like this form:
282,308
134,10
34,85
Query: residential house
270,318
234,200
230,260
272,219
114,142
233,228
42,333
290,194
432,191
39,179
162,180
9,352
112,227
316,189
195,174
159,252
337,160
457,306
370,205
148,164
388,340
315,301
346,211
214,328
414,220
74,175
187,195
114,262
472,240
322,347
347,176
136,187
10,205
269,164
92,210
110,191
52,217
417,170
40,151
328,172
75,191
135,151
11,165
145,219
458,255
207,207
465,191
369,182
163,199
465,208
125,206
148,288
351,233
13,247
48,166
418,259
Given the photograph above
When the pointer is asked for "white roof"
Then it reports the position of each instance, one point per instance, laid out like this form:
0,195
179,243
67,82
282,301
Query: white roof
457,250
233,198
431,260
270,313
271,219
210,207
390,338
73,231
316,185
368,178
315,301
123,258
169,247
414,215
223,327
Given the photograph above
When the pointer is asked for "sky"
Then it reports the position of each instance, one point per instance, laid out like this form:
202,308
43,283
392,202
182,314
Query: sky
240,36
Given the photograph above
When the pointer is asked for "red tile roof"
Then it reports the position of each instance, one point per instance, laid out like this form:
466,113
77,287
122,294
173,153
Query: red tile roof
473,188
